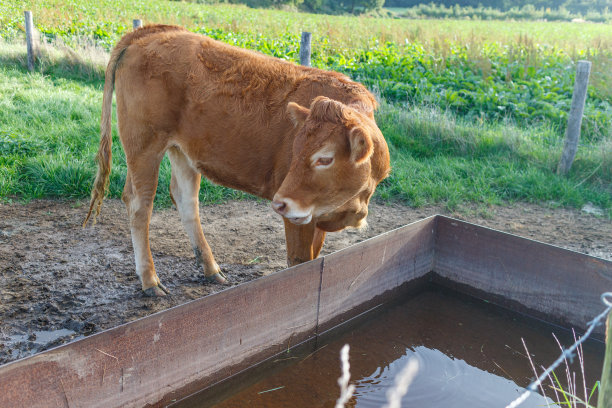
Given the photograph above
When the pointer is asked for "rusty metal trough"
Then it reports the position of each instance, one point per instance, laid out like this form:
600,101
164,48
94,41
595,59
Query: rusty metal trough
171,354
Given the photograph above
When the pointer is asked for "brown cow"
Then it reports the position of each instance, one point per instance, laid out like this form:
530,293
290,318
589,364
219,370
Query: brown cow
302,137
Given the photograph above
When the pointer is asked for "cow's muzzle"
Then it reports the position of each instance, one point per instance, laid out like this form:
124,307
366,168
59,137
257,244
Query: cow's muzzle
291,211
300,220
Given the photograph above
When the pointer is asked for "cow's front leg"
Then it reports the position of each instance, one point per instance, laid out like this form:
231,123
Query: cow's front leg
299,240
317,242
184,189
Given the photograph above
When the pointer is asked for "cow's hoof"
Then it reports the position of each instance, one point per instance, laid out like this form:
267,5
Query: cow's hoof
218,277
159,290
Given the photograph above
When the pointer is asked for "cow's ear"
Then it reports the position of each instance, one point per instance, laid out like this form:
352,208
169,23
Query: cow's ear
298,113
361,145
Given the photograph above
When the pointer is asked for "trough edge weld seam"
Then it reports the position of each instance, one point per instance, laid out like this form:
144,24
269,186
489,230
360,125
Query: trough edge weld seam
434,249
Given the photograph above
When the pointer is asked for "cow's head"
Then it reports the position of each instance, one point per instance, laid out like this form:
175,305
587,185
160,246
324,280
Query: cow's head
339,156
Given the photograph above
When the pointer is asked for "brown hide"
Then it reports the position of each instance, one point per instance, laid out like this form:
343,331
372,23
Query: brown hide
243,120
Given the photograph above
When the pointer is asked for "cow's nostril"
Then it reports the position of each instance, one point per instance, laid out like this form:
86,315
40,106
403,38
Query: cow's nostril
279,206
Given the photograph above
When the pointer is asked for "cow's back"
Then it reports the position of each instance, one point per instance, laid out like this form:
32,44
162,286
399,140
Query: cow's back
247,82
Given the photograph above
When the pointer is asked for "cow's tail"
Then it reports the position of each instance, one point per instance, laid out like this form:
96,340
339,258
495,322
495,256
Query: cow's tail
104,155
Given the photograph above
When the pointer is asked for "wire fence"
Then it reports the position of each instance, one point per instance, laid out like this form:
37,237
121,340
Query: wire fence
568,353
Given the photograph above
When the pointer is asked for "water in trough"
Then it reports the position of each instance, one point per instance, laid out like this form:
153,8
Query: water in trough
469,353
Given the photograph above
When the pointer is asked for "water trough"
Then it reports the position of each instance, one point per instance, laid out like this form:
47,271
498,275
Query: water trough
169,355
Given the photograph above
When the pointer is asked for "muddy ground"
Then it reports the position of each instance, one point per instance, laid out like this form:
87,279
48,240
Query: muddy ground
59,282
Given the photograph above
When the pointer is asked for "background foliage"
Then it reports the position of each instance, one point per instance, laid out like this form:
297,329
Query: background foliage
474,110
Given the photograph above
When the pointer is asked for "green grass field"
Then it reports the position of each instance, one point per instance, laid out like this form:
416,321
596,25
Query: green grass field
473,111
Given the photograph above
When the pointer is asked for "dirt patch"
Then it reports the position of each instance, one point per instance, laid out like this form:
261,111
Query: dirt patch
59,281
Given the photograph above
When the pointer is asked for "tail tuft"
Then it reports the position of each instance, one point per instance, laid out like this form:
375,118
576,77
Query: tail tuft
100,186
104,155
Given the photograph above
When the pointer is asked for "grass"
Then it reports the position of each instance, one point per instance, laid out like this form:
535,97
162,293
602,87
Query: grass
49,133
494,70
478,69
438,157
109,19
473,110
571,390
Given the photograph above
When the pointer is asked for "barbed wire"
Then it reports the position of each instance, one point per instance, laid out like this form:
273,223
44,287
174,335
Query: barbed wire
606,299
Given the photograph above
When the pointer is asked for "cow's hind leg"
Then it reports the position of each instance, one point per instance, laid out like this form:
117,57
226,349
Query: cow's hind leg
138,195
184,187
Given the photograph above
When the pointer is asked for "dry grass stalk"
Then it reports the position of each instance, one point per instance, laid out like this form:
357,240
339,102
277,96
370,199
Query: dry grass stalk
346,390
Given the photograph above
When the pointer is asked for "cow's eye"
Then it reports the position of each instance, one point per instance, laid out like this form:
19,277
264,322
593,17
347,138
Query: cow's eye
324,161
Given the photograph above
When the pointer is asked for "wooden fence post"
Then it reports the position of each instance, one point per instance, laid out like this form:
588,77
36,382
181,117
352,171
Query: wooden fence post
136,23
29,28
305,48
574,121
605,385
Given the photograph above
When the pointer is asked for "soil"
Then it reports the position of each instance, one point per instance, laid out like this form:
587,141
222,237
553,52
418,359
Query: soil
59,281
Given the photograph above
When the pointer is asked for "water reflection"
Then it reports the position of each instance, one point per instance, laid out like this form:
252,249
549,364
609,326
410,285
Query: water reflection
440,382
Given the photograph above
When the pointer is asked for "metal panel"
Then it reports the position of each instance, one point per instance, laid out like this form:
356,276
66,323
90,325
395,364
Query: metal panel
197,343
556,284
355,277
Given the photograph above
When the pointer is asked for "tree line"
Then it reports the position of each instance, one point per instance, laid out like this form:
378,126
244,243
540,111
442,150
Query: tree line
567,8
527,12
573,6
318,6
